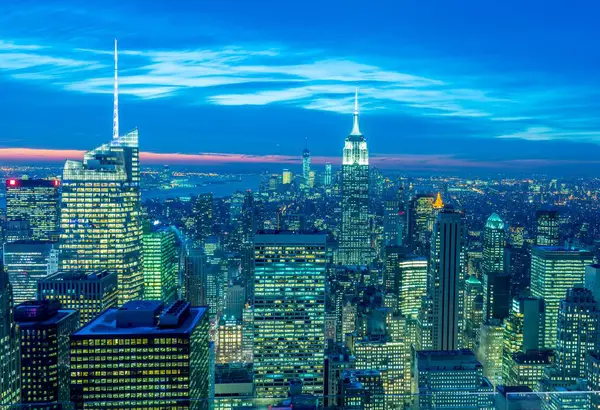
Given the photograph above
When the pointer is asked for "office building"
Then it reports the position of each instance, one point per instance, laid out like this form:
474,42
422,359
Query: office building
445,276
420,209
451,379
338,359
473,311
327,180
235,300
527,368
592,280
547,228
9,345
28,262
34,202
554,270
306,163
233,386
394,220
229,342
142,355
577,331
287,177
490,349
100,225
202,215
44,329
355,239
496,283
363,389
289,311
91,293
160,265
516,397
194,270
592,375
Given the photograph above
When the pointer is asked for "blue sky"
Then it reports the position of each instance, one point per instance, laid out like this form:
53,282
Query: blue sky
476,84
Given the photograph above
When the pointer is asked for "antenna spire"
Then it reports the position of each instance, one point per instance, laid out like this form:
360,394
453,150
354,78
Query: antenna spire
355,128
116,96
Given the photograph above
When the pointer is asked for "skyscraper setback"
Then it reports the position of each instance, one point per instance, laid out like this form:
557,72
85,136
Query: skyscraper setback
100,211
355,242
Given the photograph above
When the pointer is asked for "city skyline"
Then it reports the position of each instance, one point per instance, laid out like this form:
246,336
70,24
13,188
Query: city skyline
230,84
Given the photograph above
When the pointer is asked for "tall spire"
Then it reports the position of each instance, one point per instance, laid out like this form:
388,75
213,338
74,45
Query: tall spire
355,129
116,97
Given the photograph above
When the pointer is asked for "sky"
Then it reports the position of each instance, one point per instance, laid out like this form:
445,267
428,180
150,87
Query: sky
461,85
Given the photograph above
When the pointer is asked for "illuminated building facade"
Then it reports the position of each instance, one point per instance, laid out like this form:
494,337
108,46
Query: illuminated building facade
289,312
34,201
473,311
327,180
143,356
9,348
306,163
496,283
355,239
229,342
44,331
394,220
420,209
100,214
445,275
28,262
160,266
547,228
202,214
554,270
287,177
451,379
366,387
527,369
91,293
490,349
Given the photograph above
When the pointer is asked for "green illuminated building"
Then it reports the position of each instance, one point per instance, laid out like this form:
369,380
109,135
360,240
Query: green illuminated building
160,265
9,348
554,270
289,312
142,356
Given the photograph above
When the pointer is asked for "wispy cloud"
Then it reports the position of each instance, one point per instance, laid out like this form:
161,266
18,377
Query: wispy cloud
548,134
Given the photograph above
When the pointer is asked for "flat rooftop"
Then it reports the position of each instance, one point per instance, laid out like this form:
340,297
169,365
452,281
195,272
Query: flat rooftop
106,324
289,238
78,275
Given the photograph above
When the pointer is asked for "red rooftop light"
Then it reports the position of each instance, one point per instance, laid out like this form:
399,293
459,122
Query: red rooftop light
12,182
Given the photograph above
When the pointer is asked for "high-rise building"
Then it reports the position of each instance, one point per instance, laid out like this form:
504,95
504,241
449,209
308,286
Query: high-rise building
327,181
91,293
44,329
229,342
577,331
338,359
306,163
235,300
445,277
473,311
9,345
547,228
420,210
451,379
367,386
160,265
287,177
100,225
406,279
194,271
355,240
144,356
592,375
496,283
592,280
289,311
490,349
28,262
35,202
202,214
554,270
394,220
233,386
527,368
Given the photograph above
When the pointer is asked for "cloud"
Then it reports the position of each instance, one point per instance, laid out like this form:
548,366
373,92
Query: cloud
547,134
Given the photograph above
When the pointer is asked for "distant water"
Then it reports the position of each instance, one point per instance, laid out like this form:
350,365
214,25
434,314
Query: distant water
221,189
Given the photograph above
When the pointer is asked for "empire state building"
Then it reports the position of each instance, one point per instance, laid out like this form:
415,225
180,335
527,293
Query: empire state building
355,243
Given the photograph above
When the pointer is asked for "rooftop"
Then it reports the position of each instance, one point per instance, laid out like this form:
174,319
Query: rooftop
141,318
78,275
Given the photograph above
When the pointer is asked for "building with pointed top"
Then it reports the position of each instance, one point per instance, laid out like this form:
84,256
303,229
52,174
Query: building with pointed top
438,203
355,242
100,221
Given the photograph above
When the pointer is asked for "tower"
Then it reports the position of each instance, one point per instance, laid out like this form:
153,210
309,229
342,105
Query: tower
547,228
496,285
355,243
306,163
100,225
445,275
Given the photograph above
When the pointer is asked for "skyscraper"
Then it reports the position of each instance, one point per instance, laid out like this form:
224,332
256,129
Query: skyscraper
35,202
473,311
496,284
394,220
289,312
160,265
554,270
327,179
306,163
9,347
100,211
355,241
445,275
202,213
44,331
142,355
91,293
420,210
27,262
547,228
